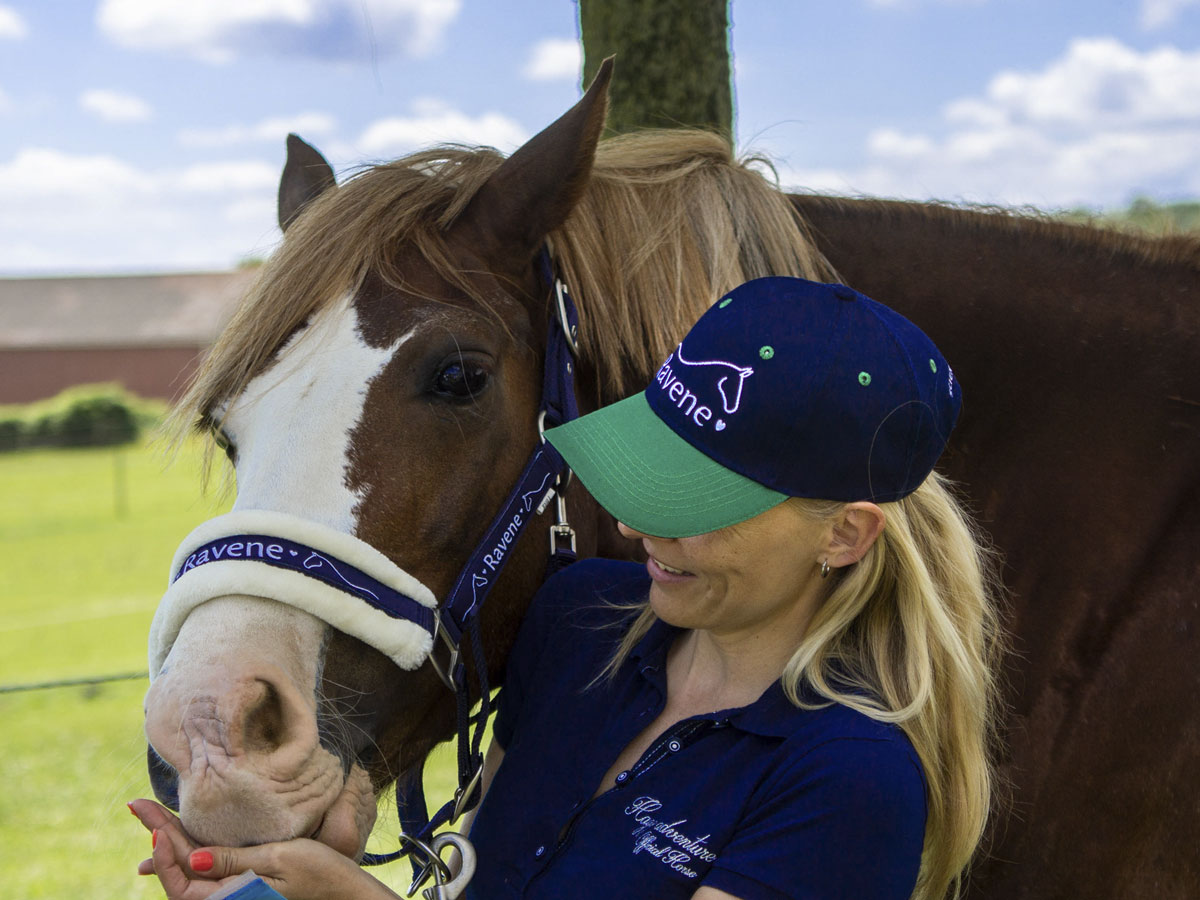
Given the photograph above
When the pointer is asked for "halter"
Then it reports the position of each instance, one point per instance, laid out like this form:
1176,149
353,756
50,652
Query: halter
316,568
545,478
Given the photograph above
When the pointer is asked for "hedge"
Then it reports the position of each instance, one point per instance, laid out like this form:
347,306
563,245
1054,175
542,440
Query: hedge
94,415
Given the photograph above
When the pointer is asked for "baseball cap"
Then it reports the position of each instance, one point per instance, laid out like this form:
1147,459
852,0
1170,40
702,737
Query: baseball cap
783,388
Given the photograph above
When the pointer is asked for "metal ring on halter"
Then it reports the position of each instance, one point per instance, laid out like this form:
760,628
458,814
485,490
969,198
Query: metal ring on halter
568,330
570,473
452,889
431,863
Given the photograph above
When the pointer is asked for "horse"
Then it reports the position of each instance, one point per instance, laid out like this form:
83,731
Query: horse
380,382
1079,448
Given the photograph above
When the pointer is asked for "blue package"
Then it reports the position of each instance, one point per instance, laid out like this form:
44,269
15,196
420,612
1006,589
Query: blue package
247,886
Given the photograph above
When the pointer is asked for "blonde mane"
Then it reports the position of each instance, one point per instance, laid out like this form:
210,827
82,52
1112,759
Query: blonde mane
669,222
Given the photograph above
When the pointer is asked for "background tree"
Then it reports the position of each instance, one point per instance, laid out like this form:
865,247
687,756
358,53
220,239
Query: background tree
672,66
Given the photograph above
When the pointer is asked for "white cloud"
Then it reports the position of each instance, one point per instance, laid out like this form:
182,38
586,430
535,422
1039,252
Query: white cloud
555,59
12,26
1102,83
436,122
113,106
66,211
1159,13
220,30
275,129
1097,125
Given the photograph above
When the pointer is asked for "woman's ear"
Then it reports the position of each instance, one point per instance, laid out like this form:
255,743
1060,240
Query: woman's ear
855,530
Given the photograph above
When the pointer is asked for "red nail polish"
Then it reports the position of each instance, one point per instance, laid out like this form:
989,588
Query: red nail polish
201,861
154,839
130,807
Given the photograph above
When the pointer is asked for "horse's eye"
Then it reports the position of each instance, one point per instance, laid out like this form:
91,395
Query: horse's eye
461,380
223,441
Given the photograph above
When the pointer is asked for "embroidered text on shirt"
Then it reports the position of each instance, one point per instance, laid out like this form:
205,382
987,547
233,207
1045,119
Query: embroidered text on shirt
677,849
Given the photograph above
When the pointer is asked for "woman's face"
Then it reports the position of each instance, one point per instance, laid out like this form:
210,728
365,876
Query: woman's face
761,573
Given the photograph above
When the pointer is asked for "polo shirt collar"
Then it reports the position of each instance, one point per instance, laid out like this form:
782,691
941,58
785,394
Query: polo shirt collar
771,715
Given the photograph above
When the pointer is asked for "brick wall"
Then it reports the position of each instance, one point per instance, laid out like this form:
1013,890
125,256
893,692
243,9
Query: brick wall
34,373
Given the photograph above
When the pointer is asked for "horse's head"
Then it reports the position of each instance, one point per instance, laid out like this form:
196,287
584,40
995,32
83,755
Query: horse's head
379,385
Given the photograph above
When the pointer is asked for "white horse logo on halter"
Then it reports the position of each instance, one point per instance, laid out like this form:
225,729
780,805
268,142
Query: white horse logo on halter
743,372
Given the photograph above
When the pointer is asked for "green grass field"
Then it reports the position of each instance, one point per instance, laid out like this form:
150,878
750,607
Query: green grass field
86,537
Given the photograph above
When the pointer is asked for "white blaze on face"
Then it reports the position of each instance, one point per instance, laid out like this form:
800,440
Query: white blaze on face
292,424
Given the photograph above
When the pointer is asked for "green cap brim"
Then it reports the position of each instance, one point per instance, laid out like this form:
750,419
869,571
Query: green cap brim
650,478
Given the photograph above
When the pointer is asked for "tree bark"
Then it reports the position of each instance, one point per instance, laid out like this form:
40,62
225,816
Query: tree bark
672,62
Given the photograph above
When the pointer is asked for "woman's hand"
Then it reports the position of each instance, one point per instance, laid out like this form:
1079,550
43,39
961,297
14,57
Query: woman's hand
300,869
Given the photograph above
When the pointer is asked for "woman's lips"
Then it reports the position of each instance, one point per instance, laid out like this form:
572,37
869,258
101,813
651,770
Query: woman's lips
663,573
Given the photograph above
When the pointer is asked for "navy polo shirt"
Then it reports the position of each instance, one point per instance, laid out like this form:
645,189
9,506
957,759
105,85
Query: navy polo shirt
765,801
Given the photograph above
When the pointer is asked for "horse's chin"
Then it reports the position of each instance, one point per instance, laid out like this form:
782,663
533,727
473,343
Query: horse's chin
236,808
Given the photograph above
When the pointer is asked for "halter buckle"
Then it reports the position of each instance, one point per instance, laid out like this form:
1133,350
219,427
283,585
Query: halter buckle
463,793
446,674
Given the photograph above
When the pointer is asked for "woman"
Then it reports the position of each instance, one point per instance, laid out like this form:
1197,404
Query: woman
794,697
798,696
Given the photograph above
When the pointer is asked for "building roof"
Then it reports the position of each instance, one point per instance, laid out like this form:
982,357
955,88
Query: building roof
118,311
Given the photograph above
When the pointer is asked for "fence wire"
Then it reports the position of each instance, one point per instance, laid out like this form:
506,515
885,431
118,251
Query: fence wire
70,682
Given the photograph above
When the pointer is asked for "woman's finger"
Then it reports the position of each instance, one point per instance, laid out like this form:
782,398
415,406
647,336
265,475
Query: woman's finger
150,814
174,880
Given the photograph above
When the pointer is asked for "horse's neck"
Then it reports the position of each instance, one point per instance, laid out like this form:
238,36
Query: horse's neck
1081,417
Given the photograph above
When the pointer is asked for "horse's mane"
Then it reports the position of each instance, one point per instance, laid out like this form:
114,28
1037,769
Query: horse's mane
669,222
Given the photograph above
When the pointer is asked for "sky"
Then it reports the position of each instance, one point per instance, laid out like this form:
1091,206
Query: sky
148,135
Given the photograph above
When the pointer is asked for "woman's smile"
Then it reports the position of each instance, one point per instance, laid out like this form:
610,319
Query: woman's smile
661,572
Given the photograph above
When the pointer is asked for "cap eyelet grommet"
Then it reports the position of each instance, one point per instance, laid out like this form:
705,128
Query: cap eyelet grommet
933,367
724,303
864,378
766,352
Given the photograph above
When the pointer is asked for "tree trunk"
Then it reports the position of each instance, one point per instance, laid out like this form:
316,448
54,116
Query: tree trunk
672,66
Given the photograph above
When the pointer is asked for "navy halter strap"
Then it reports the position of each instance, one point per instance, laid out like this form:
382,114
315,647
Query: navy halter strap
545,476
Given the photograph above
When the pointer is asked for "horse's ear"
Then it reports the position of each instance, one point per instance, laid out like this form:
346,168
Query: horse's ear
305,175
535,189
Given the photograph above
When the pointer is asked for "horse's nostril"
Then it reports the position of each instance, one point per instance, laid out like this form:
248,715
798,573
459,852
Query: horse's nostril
265,722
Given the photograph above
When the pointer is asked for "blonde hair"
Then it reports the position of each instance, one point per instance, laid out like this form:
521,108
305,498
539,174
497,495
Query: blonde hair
910,635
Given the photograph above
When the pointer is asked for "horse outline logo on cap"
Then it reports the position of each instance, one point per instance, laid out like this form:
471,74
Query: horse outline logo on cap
743,373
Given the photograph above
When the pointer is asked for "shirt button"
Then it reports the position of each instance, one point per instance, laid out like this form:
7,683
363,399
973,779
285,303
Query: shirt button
622,776
539,851
673,746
